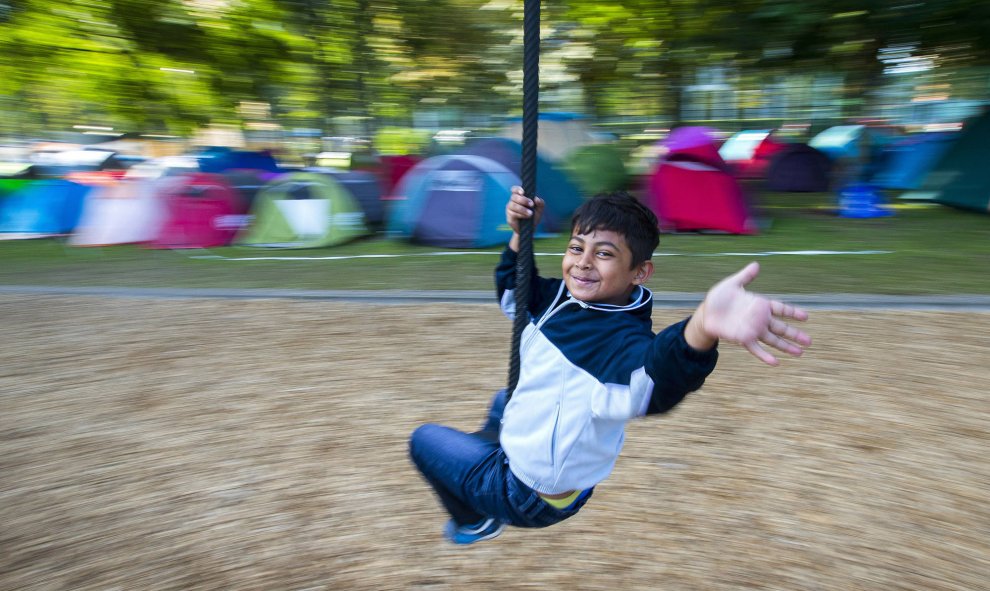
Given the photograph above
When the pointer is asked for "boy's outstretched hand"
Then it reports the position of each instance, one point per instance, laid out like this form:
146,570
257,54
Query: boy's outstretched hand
731,313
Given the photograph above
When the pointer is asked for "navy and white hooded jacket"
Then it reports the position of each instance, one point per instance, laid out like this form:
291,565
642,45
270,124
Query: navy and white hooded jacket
585,370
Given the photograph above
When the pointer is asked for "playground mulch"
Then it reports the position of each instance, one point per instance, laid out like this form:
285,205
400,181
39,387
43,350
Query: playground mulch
159,444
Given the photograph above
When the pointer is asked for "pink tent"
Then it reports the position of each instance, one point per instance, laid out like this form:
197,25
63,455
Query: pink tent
696,143
692,189
202,211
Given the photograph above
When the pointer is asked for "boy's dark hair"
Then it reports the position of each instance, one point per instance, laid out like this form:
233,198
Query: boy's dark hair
620,212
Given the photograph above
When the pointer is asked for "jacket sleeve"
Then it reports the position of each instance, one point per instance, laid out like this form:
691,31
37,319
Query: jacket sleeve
675,368
505,284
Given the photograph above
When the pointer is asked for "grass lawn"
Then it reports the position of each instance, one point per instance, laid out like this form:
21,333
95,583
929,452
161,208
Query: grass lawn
927,249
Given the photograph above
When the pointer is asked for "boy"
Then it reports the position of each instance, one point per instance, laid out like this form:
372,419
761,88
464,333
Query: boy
589,363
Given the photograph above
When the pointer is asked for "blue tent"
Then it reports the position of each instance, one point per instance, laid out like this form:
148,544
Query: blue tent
42,208
906,162
561,194
453,201
220,159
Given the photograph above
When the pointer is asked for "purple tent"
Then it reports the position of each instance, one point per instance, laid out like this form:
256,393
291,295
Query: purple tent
799,168
697,144
453,201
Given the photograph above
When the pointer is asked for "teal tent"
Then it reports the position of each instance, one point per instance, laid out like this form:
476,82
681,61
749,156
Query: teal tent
558,190
906,162
961,178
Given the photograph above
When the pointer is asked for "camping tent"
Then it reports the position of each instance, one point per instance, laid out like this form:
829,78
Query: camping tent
799,168
17,170
58,164
748,153
394,167
201,211
596,168
455,201
364,187
961,178
855,150
557,133
346,153
220,159
247,182
42,208
691,188
126,212
8,186
303,210
95,178
214,160
840,141
695,142
908,161
558,191
163,167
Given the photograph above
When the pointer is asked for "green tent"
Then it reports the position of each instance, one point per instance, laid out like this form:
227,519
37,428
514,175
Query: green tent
961,177
303,210
8,186
596,168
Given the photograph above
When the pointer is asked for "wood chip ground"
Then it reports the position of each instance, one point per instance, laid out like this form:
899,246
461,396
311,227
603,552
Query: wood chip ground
151,444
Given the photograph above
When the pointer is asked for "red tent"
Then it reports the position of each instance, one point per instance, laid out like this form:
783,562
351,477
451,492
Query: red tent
762,155
748,153
394,168
692,189
202,211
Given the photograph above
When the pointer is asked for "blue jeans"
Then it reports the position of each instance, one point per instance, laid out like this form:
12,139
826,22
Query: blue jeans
471,476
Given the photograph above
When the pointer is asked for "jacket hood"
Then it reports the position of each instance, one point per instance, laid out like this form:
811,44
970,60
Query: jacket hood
640,303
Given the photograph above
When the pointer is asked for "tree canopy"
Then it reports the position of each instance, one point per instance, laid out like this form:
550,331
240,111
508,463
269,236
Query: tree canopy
171,66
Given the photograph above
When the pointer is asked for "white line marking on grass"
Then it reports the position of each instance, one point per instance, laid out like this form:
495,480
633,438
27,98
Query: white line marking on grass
785,252
547,254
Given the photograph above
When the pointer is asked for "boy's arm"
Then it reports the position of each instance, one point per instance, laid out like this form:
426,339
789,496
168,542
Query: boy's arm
505,273
731,313
684,354
519,207
676,367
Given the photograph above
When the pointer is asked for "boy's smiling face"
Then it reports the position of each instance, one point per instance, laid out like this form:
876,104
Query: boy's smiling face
597,268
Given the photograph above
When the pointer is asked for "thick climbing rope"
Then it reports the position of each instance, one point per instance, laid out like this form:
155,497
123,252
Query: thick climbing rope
530,127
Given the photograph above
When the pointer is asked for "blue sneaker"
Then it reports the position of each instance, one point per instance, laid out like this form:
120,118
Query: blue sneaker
485,529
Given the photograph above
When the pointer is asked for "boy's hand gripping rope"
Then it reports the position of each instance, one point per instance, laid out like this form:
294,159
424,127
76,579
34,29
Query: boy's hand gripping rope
530,128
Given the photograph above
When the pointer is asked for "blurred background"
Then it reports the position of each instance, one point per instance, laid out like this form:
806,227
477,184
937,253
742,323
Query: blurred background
301,78
195,443
192,124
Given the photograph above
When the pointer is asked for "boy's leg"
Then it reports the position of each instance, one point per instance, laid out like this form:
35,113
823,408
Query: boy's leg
471,476
495,491
447,457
